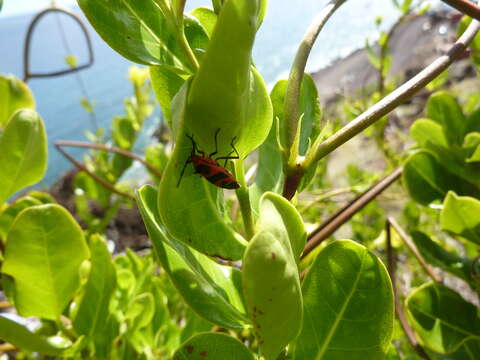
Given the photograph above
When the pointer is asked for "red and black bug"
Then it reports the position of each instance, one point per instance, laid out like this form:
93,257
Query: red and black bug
209,168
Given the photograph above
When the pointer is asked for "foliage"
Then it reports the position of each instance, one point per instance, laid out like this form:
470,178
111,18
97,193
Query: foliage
440,171
226,276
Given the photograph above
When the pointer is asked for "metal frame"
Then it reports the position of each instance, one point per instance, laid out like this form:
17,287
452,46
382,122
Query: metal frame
28,39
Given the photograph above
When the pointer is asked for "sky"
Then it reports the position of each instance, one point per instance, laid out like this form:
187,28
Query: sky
17,7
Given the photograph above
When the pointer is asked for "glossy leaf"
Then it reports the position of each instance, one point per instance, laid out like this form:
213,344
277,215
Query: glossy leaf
426,180
213,346
292,220
269,174
308,110
435,255
140,311
23,146
225,93
207,18
123,132
14,95
137,30
425,131
45,247
470,145
460,216
93,310
166,83
7,216
475,156
197,36
270,278
348,306
441,318
189,210
445,110
18,335
205,285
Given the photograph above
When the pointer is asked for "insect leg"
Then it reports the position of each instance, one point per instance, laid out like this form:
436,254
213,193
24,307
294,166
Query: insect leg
189,160
194,146
228,157
216,144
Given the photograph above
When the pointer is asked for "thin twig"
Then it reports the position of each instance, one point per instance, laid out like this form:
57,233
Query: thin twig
327,195
465,7
113,149
295,78
400,312
292,95
329,226
95,177
413,248
6,347
394,99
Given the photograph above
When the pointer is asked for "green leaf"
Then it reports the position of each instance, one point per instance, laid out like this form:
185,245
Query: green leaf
18,335
441,318
23,146
140,311
475,156
406,6
123,132
425,131
45,247
205,285
71,61
372,56
473,120
435,255
292,220
226,93
269,173
156,155
213,346
137,30
189,210
166,83
308,110
207,18
348,306
14,95
91,317
196,35
472,141
445,110
270,278
8,215
425,179
460,216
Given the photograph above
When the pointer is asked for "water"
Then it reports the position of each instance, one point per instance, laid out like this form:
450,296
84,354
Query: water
58,99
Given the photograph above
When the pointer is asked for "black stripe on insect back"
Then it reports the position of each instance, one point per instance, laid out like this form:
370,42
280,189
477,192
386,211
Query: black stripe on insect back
202,169
217,177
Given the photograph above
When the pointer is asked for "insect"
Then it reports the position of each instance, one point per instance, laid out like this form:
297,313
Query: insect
209,168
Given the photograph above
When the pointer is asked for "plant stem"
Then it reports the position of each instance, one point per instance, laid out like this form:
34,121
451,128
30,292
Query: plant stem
465,7
295,78
413,248
394,99
329,226
244,200
188,51
399,310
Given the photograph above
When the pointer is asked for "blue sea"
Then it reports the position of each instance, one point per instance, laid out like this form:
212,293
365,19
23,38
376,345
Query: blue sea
105,83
